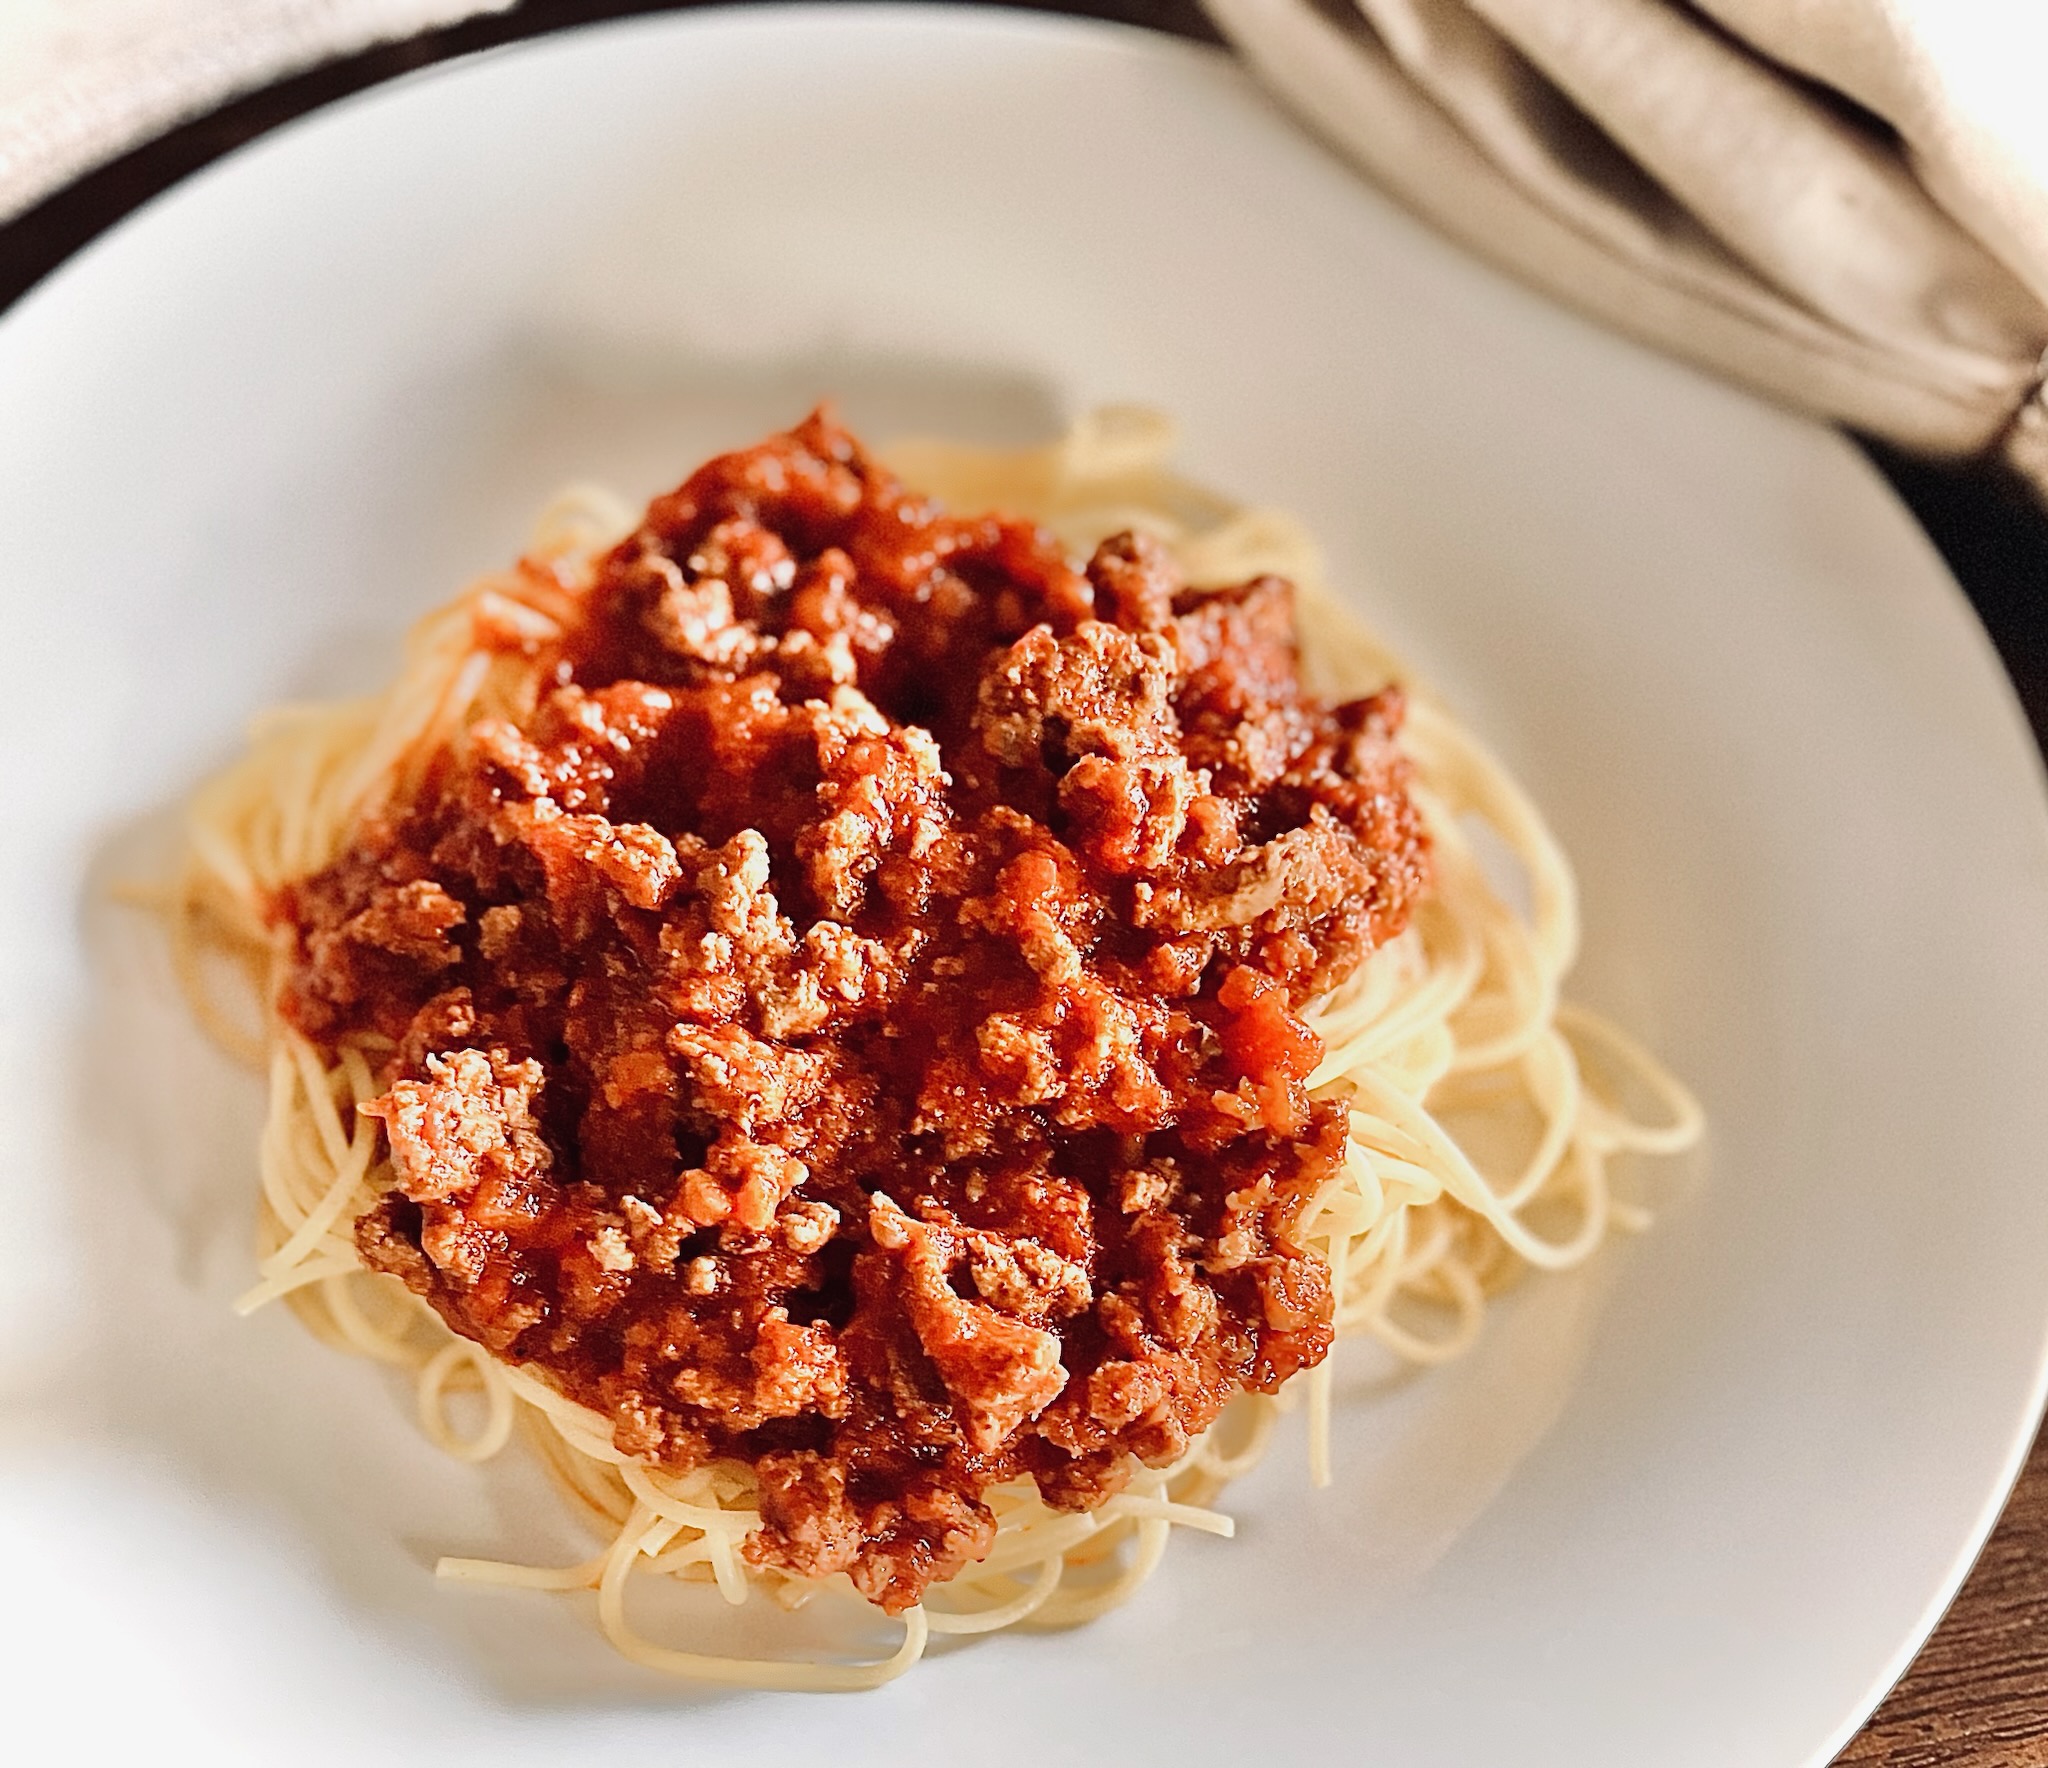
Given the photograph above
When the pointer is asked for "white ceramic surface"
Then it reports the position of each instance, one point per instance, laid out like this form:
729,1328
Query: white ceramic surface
1697,1510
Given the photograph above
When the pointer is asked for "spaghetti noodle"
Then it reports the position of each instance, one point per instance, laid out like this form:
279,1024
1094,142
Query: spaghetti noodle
1482,1111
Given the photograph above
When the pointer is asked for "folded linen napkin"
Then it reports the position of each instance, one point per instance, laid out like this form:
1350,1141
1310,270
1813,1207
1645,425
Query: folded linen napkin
84,80
1842,203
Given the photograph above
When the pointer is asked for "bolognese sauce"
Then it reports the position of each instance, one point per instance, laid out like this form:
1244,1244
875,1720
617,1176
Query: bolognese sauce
850,1022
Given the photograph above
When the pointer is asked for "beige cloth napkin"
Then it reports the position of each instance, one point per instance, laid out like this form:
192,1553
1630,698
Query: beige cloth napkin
83,80
1843,203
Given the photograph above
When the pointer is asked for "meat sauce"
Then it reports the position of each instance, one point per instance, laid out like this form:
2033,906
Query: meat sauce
851,1024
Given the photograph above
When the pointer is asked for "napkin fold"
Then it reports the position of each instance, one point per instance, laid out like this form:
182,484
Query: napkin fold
82,81
1841,203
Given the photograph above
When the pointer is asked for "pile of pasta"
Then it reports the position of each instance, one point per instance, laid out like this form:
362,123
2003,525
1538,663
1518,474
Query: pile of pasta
1486,1112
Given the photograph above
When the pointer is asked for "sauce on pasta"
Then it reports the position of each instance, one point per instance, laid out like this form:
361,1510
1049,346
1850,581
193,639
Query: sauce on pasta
849,1021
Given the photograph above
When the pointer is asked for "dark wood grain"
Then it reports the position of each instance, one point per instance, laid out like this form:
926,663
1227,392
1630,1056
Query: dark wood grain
1977,1696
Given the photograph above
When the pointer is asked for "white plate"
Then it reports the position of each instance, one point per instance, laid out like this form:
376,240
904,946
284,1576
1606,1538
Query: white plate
251,433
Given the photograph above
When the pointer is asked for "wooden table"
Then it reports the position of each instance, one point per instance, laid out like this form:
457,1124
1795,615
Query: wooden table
1977,1696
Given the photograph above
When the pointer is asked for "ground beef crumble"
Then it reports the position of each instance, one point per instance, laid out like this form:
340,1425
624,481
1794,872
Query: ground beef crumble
850,1024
